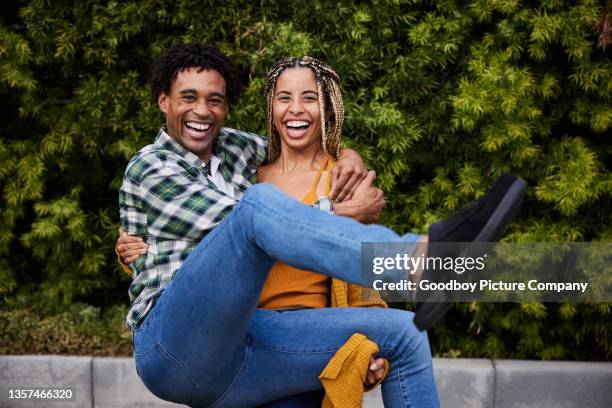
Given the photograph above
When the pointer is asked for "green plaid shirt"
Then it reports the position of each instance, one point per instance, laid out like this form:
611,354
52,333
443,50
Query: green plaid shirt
167,198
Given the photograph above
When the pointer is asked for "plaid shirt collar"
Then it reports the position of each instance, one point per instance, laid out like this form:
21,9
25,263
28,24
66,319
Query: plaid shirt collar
166,142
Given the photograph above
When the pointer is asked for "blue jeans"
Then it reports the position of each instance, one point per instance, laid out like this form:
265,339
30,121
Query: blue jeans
205,343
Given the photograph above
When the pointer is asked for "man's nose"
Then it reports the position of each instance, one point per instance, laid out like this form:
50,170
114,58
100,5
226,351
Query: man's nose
201,109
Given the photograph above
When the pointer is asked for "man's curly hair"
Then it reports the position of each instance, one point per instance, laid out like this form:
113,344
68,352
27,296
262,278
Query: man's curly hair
178,58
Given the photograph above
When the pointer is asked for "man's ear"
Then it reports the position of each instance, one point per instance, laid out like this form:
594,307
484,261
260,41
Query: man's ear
162,102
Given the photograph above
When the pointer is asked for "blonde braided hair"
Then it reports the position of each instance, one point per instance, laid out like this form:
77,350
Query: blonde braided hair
330,104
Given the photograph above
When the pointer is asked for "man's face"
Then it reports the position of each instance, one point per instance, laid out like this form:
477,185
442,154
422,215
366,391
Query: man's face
195,109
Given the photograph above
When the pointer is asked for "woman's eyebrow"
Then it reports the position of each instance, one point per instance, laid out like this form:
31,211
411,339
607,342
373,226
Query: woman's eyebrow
283,92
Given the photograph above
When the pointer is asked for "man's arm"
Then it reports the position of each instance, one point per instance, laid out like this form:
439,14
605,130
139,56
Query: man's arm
346,175
366,204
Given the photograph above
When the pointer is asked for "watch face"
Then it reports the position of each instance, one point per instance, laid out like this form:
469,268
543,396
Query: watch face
325,204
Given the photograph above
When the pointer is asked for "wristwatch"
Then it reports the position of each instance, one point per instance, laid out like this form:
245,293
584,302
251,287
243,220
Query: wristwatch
325,204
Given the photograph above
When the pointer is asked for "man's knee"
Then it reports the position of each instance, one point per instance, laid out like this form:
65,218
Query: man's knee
257,191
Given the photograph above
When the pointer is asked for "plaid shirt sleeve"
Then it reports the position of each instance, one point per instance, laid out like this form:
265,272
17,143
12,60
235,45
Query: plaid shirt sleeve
255,151
180,204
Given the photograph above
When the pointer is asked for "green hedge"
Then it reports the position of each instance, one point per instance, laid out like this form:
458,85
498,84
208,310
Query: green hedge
80,329
440,97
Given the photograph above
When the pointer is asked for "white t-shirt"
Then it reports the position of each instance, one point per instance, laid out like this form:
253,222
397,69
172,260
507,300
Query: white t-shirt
217,178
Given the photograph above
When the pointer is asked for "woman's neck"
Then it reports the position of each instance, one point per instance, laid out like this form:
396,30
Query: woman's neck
308,159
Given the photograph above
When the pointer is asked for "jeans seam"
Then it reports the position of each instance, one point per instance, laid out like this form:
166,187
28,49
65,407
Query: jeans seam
399,381
297,352
247,354
180,366
398,370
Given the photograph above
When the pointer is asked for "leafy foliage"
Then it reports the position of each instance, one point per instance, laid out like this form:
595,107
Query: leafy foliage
441,97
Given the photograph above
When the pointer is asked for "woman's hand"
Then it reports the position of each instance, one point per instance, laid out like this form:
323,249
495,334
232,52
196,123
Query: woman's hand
366,204
376,371
346,175
130,247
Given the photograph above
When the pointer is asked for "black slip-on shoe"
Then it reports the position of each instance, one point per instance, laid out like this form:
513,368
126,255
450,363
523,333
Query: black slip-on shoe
483,220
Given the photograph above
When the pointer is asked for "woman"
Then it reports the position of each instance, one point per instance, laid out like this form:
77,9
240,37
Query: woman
304,120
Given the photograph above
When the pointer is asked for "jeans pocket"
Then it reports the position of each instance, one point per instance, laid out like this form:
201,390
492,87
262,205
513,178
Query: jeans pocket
164,375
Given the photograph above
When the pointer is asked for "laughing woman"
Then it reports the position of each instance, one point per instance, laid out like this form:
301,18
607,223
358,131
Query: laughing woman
305,116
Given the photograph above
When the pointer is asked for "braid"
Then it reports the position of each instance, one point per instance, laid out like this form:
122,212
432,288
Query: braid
331,106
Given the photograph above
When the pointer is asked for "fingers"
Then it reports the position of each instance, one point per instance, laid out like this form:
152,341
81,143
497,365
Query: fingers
346,190
129,239
346,185
131,252
122,232
338,180
366,183
132,258
126,249
376,370
369,178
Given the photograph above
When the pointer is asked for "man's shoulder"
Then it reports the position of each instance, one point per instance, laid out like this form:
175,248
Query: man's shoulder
150,158
229,137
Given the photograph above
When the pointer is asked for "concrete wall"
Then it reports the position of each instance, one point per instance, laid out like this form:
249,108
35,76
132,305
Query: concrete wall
114,383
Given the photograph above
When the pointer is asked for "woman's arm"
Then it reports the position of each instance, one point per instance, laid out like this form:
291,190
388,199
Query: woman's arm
366,204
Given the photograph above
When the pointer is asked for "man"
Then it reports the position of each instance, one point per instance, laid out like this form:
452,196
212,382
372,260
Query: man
198,337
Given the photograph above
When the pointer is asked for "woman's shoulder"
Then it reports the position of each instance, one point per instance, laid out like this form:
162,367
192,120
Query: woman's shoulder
265,172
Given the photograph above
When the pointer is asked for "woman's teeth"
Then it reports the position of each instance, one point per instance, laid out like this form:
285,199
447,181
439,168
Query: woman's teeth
297,128
297,124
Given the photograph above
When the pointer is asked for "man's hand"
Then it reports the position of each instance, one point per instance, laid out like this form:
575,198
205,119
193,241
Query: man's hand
376,370
366,204
130,247
347,174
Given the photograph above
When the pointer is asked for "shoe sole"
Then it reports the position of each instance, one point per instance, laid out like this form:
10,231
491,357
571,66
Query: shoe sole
439,302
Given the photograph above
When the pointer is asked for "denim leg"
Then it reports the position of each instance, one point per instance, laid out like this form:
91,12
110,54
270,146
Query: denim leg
198,328
290,349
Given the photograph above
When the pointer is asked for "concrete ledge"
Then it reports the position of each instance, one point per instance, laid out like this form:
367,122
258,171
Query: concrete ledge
464,382
552,384
461,383
47,371
116,385
113,382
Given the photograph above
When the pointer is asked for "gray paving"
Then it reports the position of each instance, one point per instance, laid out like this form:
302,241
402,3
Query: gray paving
27,372
522,384
117,385
464,382
114,383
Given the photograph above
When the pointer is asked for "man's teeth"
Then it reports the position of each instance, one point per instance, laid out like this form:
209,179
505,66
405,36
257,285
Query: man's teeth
297,123
198,126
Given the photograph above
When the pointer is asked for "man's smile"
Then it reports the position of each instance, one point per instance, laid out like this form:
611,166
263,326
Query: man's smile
197,130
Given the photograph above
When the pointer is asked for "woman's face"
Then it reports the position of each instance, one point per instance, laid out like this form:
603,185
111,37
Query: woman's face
295,109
